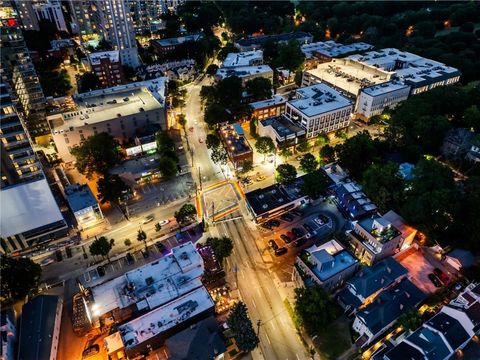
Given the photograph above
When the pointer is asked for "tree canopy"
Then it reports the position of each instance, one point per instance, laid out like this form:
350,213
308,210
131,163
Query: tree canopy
410,320
168,167
88,82
259,88
327,154
315,308
308,163
286,174
97,154
20,277
264,145
222,247
186,214
314,184
101,247
111,188
241,326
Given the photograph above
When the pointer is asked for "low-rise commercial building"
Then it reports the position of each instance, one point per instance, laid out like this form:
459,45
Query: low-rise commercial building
319,109
273,201
255,42
84,206
282,131
108,67
149,286
364,287
420,73
30,215
268,108
164,46
247,58
238,149
328,265
373,100
150,331
374,238
325,51
122,111
377,317
142,145
245,73
40,328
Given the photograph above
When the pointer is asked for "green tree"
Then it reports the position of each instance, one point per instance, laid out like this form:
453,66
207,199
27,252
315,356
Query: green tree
327,154
101,247
97,154
219,155
247,166
168,167
322,140
253,128
384,185
356,154
410,320
308,163
315,309
211,69
158,227
303,147
142,236
111,188
341,134
88,82
290,56
164,142
470,215
222,247
241,326
471,118
182,120
212,141
259,88
55,83
286,174
314,184
264,145
20,277
286,153
127,242
186,214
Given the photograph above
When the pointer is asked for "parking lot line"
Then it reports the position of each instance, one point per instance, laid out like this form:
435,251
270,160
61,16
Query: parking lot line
268,339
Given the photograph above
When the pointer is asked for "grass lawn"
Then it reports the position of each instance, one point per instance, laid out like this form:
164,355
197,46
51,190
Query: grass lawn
334,341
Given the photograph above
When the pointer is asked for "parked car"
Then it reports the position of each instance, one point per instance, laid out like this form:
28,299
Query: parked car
160,246
164,222
297,232
247,180
91,351
260,178
46,262
130,259
458,287
435,280
291,235
281,251
101,271
267,225
148,219
441,275
273,244
275,223
299,242
286,217
285,238
308,228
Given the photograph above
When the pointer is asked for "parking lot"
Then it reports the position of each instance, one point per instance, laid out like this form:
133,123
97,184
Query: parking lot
418,268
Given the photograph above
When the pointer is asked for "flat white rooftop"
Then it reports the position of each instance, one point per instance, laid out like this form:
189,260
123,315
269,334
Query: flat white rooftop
107,104
275,100
95,57
163,318
244,71
26,207
407,66
333,49
385,87
350,76
246,58
318,99
152,284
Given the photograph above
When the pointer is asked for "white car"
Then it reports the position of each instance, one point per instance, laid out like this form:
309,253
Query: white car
147,219
164,222
46,262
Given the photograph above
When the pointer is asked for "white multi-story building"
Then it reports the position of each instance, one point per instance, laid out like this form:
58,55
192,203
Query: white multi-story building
120,111
245,73
375,99
319,109
50,10
247,58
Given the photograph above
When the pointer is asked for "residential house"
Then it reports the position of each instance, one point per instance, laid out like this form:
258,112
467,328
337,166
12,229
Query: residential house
352,201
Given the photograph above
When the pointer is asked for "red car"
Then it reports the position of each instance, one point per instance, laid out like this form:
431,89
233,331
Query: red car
441,275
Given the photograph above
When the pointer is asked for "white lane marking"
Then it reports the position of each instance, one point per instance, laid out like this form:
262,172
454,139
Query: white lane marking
268,290
268,339
243,275
259,293
273,326
254,305
298,357
240,295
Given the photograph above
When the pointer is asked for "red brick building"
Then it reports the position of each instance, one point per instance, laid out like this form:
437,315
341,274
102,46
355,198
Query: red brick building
107,66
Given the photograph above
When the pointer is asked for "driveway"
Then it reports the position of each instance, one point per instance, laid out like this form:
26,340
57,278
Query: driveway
419,268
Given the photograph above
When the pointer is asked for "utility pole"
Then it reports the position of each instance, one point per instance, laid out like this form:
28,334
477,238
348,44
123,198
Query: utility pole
213,212
259,323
